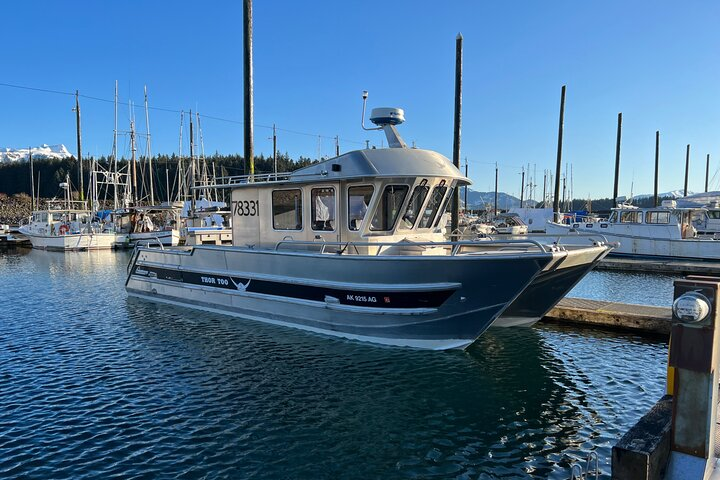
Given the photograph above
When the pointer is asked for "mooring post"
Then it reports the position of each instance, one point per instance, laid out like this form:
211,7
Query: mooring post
248,84
617,159
707,172
657,166
687,169
558,167
693,376
454,221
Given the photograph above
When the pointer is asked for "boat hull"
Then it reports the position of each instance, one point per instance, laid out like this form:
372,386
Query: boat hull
654,243
548,288
436,302
167,238
76,242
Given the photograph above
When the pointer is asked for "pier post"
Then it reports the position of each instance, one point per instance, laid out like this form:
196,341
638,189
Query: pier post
687,169
454,221
707,172
693,376
248,84
657,166
617,159
558,167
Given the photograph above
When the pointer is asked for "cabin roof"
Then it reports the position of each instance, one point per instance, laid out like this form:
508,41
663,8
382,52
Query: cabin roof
364,164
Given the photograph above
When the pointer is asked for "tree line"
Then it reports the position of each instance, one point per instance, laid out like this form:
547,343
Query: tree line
15,177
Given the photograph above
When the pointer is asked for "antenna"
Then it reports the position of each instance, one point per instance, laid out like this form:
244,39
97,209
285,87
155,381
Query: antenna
385,118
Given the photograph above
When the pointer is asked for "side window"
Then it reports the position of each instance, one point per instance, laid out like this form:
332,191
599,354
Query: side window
287,209
358,201
433,205
657,217
416,202
388,207
323,208
630,217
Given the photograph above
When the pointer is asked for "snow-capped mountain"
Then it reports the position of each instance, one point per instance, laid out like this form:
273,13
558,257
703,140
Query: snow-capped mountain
45,151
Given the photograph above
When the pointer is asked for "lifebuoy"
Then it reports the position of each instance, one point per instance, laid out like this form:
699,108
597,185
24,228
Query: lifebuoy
64,229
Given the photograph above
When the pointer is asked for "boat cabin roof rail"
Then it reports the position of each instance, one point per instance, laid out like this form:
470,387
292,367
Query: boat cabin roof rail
357,165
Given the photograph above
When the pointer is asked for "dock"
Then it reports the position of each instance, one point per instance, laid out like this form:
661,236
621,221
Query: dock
676,267
14,241
621,316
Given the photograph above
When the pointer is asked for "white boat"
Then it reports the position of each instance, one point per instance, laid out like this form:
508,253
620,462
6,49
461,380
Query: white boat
69,225
664,232
158,224
351,247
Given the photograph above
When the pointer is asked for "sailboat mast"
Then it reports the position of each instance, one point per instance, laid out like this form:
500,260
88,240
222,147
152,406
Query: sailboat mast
148,153
192,165
180,168
114,166
32,181
79,143
135,194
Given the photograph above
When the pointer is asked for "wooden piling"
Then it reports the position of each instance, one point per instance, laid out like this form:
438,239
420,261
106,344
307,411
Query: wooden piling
248,84
456,131
687,168
558,167
617,158
657,166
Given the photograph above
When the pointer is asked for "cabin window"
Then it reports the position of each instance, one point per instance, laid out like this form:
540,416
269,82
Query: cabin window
287,209
358,201
714,214
613,217
388,207
323,208
657,217
630,217
432,206
416,202
44,217
444,209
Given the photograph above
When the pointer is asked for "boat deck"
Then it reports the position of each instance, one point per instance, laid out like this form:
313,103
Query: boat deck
683,267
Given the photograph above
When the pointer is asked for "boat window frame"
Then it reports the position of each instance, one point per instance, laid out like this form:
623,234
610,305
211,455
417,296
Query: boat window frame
637,214
298,209
350,217
713,214
423,184
313,209
649,214
380,204
444,208
436,209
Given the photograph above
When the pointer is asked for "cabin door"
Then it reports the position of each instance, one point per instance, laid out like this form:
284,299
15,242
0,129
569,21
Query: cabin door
324,208
245,217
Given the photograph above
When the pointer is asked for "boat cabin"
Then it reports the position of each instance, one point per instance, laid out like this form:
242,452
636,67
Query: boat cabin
373,195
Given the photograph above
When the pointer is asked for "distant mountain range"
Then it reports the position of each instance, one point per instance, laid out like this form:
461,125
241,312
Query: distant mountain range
44,151
478,200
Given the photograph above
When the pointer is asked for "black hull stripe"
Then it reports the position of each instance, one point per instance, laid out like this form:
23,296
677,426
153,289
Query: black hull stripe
360,298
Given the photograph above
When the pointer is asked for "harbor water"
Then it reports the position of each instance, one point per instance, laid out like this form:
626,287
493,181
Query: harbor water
94,385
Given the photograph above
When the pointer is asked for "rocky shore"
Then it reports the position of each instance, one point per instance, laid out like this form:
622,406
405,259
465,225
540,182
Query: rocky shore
14,208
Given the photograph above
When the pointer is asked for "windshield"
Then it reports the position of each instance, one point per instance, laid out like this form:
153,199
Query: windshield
416,202
388,207
433,206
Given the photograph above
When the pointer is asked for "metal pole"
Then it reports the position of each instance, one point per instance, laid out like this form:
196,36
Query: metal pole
192,166
558,167
496,187
456,133
617,159
275,150
79,144
149,151
248,83
32,181
466,188
707,172
687,168
522,187
337,146
657,166
544,199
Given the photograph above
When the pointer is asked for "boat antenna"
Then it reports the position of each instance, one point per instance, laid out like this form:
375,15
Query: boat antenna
385,119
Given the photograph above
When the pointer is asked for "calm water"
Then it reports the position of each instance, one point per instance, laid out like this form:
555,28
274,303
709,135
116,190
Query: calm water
93,385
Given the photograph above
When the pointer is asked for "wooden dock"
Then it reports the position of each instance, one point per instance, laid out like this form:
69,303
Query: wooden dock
676,267
621,316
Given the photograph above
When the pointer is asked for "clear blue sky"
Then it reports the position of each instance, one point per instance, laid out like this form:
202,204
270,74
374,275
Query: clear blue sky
655,61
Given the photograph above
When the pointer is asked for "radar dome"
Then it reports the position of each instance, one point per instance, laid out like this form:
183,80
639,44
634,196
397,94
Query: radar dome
387,116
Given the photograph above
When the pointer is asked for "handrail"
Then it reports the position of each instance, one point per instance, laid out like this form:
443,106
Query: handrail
455,246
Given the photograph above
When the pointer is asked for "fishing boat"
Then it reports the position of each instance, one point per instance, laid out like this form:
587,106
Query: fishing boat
350,247
69,225
664,232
